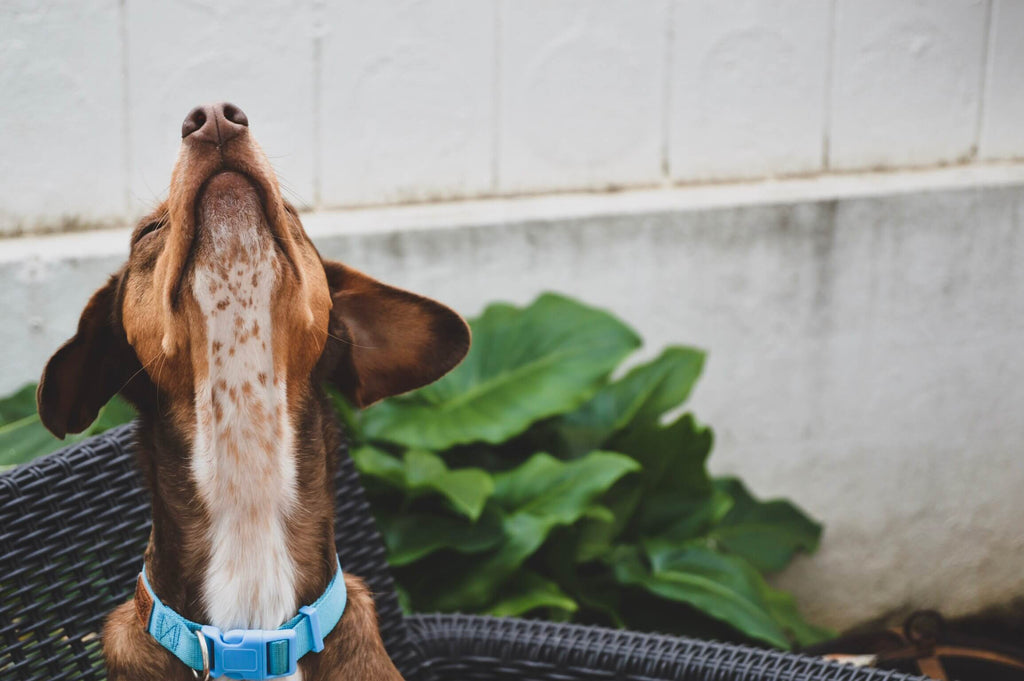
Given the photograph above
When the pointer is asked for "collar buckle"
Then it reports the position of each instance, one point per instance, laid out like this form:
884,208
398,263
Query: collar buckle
252,654
316,636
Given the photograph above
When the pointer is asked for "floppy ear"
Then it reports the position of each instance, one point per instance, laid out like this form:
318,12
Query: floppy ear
88,369
392,341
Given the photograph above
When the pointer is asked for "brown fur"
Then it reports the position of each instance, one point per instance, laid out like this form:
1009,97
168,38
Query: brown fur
142,334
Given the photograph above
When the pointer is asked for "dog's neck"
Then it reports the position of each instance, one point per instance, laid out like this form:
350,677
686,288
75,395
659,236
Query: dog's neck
183,557
242,460
263,535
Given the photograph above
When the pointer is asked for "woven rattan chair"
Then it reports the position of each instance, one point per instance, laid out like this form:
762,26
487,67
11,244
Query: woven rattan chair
73,526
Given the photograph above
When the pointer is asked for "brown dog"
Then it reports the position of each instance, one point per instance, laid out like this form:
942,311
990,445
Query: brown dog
220,329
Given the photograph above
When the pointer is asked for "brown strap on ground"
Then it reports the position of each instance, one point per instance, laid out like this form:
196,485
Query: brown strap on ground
975,653
928,658
932,668
143,602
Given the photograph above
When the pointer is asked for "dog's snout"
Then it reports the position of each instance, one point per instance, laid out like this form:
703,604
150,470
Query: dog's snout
214,123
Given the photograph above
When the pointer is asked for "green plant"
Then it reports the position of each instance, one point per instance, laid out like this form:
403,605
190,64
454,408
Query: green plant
529,481
23,437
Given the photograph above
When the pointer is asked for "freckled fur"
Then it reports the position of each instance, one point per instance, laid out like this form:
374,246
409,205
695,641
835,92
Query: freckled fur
242,463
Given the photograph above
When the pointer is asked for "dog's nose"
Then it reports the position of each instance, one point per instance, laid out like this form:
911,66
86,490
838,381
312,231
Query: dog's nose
214,123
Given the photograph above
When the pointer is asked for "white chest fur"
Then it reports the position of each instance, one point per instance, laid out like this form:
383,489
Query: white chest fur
243,464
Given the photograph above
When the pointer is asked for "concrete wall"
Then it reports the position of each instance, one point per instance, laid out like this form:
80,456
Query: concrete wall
410,100
865,337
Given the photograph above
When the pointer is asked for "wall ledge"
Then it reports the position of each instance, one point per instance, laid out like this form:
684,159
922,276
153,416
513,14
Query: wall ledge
565,206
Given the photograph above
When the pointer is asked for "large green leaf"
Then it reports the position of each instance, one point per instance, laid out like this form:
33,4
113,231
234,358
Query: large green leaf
25,439
18,405
377,463
529,591
682,518
23,436
114,413
596,532
638,399
678,497
724,587
525,364
421,472
559,491
471,584
766,533
671,497
413,536
673,457
602,595
467,489
539,495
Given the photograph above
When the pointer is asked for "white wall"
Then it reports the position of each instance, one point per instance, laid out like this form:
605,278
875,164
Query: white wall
392,101
865,338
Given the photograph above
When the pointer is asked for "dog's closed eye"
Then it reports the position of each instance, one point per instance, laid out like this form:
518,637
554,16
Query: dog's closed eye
147,229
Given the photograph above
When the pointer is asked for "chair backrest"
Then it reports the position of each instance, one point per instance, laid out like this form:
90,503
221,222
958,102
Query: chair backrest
73,526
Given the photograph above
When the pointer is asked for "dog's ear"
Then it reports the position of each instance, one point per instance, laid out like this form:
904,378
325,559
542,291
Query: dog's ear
387,341
88,369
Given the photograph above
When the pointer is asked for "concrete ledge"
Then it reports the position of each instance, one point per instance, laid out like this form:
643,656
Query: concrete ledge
865,336
553,207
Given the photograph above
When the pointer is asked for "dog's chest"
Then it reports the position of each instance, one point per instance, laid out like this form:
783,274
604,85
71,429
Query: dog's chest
243,464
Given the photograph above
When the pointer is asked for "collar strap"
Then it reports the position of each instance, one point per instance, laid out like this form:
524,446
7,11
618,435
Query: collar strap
253,654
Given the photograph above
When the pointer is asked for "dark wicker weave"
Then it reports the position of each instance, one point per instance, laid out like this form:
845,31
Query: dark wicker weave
471,648
73,526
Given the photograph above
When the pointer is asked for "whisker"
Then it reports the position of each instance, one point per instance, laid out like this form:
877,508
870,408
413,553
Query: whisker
286,188
141,369
159,372
348,342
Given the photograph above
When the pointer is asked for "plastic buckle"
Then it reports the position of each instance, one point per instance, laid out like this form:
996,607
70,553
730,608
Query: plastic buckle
246,653
316,637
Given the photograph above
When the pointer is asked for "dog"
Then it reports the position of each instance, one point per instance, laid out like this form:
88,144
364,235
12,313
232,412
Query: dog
220,329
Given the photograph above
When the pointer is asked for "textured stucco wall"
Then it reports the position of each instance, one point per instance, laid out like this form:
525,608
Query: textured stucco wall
865,337
408,100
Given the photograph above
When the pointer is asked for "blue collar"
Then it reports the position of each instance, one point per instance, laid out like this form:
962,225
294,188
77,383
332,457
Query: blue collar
252,654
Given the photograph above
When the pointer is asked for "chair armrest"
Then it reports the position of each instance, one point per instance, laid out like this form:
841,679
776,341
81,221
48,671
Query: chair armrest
478,648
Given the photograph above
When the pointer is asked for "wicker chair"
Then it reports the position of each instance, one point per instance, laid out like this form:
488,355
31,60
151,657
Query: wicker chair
73,526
